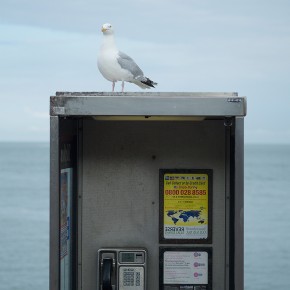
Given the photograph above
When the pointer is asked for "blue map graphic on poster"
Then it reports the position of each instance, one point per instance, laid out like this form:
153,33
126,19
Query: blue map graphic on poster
183,215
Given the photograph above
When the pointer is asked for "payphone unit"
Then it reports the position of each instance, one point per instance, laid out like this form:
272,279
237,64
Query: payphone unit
122,269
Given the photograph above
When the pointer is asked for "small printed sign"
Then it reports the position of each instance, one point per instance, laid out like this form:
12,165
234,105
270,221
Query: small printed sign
185,268
66,190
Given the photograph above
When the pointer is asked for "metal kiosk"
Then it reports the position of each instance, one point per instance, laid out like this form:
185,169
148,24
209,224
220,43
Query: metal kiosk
146,191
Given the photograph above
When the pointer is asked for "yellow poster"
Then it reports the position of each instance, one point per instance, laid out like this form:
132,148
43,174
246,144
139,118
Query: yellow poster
186,207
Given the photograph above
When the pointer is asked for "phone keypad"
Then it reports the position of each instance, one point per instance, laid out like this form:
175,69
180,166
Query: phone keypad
131,277
128,277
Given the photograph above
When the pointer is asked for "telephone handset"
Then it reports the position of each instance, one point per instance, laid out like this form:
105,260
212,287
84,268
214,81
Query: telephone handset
107,274
122,269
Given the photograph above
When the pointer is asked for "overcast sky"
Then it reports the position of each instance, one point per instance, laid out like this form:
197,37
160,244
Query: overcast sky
184,45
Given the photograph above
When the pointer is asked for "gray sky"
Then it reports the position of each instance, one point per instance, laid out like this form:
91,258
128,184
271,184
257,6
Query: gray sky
184,45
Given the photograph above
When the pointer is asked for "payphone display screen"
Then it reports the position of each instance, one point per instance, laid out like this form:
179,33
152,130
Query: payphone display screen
185,205
127,257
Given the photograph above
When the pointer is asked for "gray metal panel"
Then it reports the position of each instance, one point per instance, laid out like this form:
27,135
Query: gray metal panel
148,104
228,128
121,162
149,94
54,205
79,203
239,204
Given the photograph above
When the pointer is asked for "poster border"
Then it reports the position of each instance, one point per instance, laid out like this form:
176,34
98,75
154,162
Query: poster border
163,249
162,239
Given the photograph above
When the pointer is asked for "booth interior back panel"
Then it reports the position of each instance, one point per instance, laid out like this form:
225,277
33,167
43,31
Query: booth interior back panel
120,187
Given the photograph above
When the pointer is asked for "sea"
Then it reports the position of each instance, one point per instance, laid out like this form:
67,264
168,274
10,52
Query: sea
24,216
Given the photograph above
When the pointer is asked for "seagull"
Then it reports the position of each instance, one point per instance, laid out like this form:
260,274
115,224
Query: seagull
115,65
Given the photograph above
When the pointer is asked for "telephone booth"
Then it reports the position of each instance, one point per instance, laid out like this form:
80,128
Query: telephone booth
146,191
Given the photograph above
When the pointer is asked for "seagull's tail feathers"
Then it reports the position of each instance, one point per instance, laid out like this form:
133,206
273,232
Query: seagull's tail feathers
144,83
148,82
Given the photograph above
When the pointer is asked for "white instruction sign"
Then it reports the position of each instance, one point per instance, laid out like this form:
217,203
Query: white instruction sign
185,267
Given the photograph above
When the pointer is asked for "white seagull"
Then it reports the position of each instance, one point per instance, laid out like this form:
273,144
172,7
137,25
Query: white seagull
115,65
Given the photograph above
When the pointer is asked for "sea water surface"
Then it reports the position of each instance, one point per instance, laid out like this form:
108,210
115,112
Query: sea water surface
24,216
267,217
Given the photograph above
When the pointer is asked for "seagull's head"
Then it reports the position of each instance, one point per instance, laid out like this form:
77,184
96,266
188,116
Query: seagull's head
107,29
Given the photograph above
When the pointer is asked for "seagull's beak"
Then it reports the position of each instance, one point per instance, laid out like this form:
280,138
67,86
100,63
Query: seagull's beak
103,29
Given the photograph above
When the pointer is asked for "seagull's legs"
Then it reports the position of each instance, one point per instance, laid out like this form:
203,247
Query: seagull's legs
113,86
123,85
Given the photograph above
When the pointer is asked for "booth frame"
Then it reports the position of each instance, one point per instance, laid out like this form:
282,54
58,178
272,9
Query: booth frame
67,112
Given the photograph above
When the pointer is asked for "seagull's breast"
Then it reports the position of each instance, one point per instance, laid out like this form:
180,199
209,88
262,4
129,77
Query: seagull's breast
110,68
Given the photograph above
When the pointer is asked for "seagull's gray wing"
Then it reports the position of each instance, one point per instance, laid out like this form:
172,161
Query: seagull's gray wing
127,63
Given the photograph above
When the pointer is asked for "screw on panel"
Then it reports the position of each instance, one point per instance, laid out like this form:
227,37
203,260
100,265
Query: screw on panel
228,122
